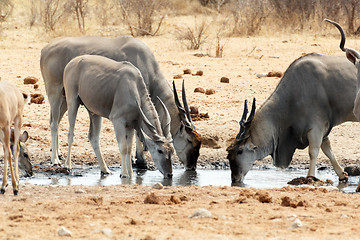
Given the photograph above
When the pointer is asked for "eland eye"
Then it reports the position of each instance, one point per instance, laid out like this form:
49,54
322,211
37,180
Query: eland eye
240,152
160,151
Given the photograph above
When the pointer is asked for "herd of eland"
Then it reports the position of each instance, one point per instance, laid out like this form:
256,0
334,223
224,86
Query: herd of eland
120,79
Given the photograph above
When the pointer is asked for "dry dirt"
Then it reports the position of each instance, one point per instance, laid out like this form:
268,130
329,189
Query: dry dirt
126,212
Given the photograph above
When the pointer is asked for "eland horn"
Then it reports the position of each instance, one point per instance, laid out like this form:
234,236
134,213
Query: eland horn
342,42
146,120
166,129
242,121
186,106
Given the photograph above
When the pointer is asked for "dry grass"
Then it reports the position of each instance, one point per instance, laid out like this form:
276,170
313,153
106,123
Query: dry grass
244,17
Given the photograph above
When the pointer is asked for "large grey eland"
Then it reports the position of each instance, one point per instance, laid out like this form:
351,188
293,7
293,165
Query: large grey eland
58,53
316,93
354,57
117,91
12,103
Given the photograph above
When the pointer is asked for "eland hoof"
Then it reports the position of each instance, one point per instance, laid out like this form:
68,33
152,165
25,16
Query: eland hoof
345,178
104,174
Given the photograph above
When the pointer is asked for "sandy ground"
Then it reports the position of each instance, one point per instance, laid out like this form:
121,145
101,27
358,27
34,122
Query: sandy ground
126,212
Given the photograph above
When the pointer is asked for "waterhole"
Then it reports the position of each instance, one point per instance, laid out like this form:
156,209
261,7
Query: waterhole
256,178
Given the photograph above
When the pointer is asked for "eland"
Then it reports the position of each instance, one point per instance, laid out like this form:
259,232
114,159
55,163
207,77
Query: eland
354,57
12,103
117,91
315,94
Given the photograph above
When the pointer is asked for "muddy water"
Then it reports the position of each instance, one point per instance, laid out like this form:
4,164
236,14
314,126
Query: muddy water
269,178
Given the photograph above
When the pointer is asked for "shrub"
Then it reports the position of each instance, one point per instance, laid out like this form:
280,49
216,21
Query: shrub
194,37
141,16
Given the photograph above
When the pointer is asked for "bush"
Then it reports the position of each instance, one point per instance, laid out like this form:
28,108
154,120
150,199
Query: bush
141,16
53,11
249,16
194,37
6,8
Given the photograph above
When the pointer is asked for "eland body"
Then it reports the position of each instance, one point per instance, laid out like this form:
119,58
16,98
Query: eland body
117,91
354,57
12,103
316,93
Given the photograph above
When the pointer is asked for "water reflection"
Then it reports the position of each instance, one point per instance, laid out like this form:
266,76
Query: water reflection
268,178
188,178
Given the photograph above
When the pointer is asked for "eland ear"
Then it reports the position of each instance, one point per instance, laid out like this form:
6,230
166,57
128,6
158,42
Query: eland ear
24,137
352,55
143,138
252,146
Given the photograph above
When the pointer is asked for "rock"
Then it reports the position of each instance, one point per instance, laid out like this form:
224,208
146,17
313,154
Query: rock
199,89
158,186
201,213
199,73
224,80
175,199
296,224
210,141
259,75
199,116
107,232
80,191
36,86
37,98
30,80
310,180
352,170
194,110
274,74
187,71
178,76
63,231
152,199
209,91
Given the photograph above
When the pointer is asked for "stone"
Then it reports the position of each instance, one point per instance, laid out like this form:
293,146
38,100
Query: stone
224,80
201,213
296,224
80,191
63,231
30,80
158,186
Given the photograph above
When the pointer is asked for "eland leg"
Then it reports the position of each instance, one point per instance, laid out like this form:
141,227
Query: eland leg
124,137
7,156
6,159
17,128
57,110
72,112
326,148
94,133
140,158
315,139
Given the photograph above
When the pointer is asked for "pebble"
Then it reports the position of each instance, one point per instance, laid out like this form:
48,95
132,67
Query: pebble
107,231
80,190
158,186
330,188
296,224
259,75
292,217
201,213
63,231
